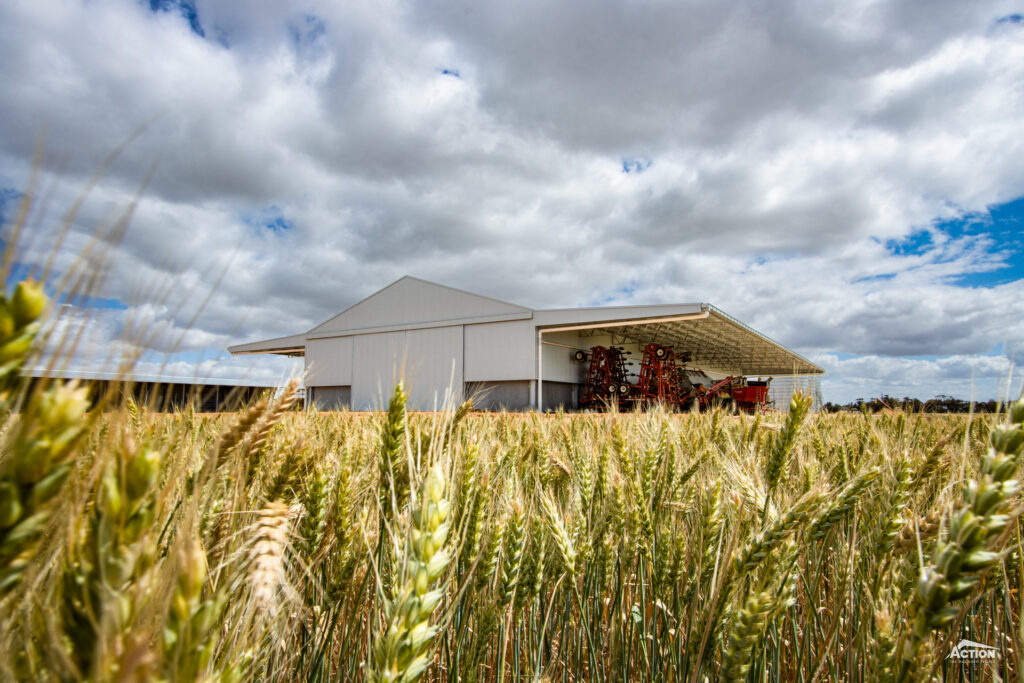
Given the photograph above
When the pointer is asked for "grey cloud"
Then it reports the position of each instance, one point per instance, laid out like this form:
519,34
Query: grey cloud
975,377
696,73
786,140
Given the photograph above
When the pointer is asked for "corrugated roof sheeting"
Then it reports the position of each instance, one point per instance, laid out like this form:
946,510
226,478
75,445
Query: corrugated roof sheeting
722,342
410,300
782,389
294,345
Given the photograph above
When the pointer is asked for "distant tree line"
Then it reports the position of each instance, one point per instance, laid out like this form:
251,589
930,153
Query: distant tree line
939,404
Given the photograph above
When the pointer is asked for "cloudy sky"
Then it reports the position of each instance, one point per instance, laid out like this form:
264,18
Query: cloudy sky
846,177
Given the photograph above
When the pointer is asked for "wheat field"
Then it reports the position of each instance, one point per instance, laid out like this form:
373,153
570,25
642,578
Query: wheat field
276,544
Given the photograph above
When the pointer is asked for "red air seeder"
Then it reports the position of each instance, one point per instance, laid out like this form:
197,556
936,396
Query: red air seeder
663,379
606,375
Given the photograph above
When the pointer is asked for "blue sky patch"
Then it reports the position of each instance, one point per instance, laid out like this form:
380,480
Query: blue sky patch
278,224
270,219
1011,19
20,270
454,73
186,8
915,244
876,278
105,303
755,262
1001,227
618,295
637,165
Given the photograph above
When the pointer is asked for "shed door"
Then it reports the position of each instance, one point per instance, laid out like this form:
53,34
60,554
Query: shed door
429,361
376,367
434,362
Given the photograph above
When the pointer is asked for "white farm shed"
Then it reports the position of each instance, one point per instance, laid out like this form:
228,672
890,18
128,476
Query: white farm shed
438,339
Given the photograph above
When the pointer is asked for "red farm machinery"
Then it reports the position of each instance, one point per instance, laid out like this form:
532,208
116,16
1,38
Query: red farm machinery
606,379
663,378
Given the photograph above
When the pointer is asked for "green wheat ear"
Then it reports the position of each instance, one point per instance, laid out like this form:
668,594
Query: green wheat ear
779,456
558,531
969,549
746,633
38,451
36,465
19,323
401,651
394,473
513,554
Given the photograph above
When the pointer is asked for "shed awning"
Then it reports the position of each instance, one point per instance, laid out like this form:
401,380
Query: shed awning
294,345
714,338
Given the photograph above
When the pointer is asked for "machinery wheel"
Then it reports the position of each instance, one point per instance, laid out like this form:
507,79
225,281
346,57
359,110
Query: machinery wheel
579,356
613,388
661,353
623,389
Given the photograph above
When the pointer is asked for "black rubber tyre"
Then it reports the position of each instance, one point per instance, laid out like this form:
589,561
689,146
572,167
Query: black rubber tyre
579,356
613,388
661,353
623,389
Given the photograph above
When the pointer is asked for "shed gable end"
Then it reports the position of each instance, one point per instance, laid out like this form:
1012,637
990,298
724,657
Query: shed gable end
410,301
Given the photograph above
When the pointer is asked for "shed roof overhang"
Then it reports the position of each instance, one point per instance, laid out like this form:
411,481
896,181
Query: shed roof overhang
713,337
294,345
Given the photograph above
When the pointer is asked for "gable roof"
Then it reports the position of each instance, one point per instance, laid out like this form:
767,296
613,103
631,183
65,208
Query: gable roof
410,301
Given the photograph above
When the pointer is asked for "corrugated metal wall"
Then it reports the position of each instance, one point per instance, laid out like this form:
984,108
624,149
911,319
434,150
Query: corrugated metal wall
329,398
558,363
433,359
377,364
509,395
329,362
429,361
497,352
783,388
433,365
